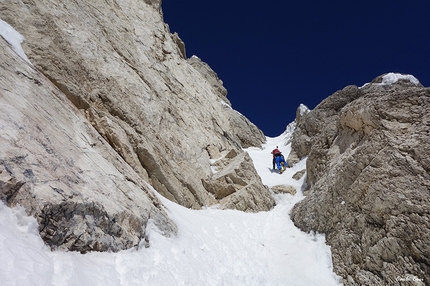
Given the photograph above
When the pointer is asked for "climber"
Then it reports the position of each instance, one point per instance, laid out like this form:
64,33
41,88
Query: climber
275,152
279,160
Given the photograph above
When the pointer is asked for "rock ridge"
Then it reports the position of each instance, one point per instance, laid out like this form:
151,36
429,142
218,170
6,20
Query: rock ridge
368,177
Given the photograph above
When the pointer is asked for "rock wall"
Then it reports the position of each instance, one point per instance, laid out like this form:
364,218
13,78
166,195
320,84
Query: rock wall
368,181
119,64
111,102
56,165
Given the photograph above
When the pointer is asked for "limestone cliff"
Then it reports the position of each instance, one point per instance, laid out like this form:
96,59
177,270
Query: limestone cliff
138,103
368,180
55,164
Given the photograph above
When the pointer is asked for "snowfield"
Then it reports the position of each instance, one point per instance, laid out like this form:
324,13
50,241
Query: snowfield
213,247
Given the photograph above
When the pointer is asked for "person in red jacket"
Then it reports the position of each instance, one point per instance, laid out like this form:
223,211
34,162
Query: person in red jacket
276,151
279,160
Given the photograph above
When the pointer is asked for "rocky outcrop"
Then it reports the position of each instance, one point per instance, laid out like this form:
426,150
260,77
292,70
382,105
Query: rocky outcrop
123,69
237,184
298,175
245,133
84,196
284,189
301,139
368,180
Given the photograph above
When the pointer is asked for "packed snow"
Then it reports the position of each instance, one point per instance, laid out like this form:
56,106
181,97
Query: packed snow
13,38
212,247
391,78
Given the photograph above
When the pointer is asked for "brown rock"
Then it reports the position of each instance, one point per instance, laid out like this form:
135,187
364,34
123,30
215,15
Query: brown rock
298,175
284,189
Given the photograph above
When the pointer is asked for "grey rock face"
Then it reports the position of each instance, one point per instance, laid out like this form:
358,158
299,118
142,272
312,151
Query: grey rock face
292,158
209,75
369,182
120,65
55,164
237,184
298,175
319,128
110,109
243,132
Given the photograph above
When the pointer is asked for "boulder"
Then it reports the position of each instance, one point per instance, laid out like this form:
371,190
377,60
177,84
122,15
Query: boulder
284,189
237,186
298,175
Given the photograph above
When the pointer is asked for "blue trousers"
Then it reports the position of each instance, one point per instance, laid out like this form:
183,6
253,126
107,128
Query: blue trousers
279,160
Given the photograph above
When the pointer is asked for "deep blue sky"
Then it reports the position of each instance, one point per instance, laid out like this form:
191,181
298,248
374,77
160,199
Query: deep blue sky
274,55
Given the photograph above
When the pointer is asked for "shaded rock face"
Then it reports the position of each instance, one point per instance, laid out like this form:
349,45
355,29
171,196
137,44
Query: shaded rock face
122,68
368,181
84,196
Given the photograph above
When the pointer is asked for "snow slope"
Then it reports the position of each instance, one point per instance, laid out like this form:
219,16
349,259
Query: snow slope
213,247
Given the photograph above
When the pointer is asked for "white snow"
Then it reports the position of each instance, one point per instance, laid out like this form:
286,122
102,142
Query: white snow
13,38
303,109
213,247
225,104
392,78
